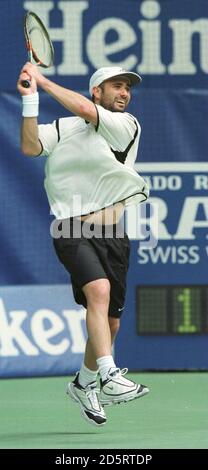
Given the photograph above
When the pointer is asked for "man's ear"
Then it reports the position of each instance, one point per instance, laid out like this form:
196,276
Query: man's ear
96,92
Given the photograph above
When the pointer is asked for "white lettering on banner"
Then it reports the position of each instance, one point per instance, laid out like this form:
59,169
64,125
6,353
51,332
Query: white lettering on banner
188,218
41,334
11,333
161,182
181,219
98,50
72,57
200,182
45,325
42,9
183,32
139,225
150,40
169,254
70,34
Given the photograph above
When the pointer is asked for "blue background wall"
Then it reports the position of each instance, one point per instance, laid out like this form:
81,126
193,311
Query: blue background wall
150,37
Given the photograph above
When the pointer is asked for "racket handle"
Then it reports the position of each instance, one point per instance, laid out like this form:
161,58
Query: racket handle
26,83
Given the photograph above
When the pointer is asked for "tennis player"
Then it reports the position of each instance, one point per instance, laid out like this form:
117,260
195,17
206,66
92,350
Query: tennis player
89,181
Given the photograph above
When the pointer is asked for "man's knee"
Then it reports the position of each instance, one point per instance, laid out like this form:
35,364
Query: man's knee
97,291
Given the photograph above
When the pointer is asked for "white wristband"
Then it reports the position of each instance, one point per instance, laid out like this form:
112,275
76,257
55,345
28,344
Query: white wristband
30,105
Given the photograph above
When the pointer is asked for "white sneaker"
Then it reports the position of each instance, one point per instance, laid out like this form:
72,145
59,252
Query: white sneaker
117,389
88,400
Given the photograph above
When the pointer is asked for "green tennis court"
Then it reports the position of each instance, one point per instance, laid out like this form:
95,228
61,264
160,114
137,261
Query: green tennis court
36,413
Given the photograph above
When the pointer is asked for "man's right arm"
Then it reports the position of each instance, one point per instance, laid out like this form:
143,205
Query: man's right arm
30,143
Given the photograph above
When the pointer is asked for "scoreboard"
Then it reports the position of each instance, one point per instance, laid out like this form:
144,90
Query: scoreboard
172,310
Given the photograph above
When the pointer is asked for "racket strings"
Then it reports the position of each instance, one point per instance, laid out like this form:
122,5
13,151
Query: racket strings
42,49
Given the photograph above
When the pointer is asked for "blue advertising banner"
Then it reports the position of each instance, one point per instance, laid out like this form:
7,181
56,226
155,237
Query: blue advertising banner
172,225
167,303
42,331
166,42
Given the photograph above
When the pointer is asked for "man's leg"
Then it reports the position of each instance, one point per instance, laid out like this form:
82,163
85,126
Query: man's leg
89,369
90,358
98,348
114,387
97,294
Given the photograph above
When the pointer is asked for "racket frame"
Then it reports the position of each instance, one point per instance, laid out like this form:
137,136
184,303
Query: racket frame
32,55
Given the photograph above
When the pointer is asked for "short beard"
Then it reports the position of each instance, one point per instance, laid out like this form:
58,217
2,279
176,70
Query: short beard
110,107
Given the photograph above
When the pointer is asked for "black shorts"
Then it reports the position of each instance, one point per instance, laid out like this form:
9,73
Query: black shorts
103,256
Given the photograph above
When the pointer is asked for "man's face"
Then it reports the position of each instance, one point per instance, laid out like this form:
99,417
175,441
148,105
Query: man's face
115,94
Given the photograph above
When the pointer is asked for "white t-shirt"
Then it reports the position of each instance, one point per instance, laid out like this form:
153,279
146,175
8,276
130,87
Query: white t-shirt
88,168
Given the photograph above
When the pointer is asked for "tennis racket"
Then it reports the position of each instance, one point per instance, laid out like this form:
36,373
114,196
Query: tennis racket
38,43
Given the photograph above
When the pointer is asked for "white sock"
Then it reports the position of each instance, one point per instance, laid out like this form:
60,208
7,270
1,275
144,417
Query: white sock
87,376
105,363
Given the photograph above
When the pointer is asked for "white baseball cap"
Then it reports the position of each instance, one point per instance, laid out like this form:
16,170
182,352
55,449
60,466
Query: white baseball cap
105,73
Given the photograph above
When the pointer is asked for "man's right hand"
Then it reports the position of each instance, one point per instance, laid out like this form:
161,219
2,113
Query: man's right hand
26,75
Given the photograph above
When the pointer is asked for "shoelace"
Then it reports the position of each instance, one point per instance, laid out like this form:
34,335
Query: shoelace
124,371
118,372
